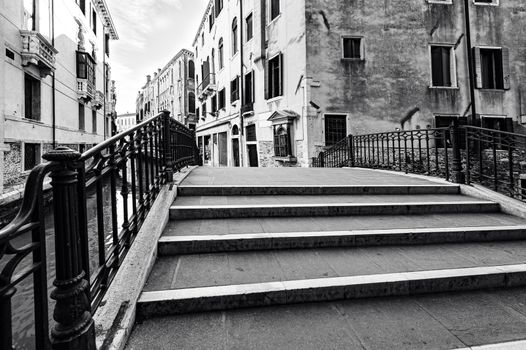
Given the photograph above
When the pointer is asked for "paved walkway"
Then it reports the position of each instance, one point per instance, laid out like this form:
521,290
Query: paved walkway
297,176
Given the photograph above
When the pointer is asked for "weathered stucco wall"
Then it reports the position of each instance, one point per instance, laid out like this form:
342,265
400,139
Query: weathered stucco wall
392,82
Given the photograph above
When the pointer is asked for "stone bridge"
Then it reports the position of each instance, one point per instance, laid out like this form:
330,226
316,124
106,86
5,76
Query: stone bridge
351,258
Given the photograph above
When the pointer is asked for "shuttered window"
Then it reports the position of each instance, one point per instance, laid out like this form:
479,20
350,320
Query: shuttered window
31,97
492,68
234,90
251,132
441,68
275,77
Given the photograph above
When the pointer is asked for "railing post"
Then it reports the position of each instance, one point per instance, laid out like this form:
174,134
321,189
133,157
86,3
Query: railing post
456,163
6,332
74,328
167,156
321,158
350,141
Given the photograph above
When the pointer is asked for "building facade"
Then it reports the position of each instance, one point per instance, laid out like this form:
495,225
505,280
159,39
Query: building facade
172,88
56,84
280,81
125,122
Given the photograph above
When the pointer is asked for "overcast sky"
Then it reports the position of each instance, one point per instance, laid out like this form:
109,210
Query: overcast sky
151,32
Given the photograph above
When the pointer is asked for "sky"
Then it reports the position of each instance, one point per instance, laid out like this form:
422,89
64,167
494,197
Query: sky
150,32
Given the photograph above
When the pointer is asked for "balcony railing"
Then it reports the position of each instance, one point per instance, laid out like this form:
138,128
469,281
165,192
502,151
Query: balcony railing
38,51
85,89
134,165
207,86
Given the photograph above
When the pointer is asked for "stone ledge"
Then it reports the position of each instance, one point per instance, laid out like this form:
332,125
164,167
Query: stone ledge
115,318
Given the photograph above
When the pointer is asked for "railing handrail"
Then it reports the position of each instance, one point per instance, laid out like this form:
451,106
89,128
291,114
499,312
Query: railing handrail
494,131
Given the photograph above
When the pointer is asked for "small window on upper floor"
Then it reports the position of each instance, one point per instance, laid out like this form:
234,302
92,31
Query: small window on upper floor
352,48
82,5
218,6
274,9
202,39
443,72
486,2
249,27
94,21
492,68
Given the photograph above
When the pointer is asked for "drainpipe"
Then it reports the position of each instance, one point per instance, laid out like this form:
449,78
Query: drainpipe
241,86
53,86
470,61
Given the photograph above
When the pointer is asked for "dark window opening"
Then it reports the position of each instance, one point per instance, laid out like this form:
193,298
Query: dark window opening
275,77
86,69
94,22
191,102
234,90
234,36
203,110
248,95
191,69
250,28
352,48
107,44
335,129
211,19
222,99
219,6
251,132
491,69
94,121
441,66
282,141
213,107
31,155
9,54
274,9
31,97
221,54
82,119
82,5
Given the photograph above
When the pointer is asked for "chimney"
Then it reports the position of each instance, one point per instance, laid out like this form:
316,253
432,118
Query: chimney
154,75
159,70
148,78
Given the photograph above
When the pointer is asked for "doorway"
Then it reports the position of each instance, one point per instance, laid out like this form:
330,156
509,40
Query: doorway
235,151
253,156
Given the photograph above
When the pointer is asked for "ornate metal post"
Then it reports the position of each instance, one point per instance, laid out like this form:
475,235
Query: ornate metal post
350,146
456,163
74,329
321,159
167,150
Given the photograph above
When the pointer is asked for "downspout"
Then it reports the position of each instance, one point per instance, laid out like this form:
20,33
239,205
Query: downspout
105,86
470,62
241,86
53,86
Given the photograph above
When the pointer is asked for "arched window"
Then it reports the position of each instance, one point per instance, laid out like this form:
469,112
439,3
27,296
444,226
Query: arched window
234,36
191,69
191,102
281,141
235,130
221,55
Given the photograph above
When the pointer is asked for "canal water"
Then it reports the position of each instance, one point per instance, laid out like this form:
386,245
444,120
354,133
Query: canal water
22,303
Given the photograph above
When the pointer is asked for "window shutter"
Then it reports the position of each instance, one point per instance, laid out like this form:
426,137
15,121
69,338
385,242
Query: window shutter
280,74
267,72
506,68
478,67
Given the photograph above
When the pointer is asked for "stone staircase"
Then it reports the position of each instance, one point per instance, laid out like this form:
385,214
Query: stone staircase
253,246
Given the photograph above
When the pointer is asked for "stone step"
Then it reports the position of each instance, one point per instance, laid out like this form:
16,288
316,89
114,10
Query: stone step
243,190
186,212
174,245
179,301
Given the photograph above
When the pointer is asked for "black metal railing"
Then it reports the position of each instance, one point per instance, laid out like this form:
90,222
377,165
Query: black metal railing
459,153
134,166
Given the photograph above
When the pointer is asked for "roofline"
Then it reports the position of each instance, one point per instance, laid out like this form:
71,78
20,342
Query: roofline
203,20
108,20
177,55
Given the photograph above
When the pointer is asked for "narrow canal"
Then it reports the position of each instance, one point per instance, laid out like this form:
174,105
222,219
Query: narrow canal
23,320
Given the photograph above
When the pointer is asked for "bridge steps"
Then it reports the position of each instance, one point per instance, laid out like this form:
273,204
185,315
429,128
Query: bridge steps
231,247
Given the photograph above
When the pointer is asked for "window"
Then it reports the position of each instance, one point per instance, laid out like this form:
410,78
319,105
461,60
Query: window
31,97
335,129
86,67
442,66
82,121
234,36
486,2
202,39
82,5
191,69
352,47
29,14
219,7
191,102
31,155
492,68
94,21
282,141
234,90
9,54
275,77
274,9
203,109
221,54
250,28
213,107
211,19
251,132
248,96
94,121
222,99
107,44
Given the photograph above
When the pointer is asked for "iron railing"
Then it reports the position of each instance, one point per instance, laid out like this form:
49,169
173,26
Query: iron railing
133,165
461,154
